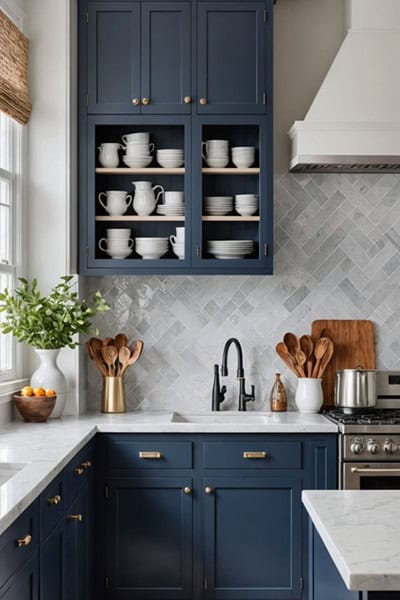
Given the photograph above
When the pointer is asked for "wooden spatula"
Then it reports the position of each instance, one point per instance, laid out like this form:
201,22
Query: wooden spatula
326,358
110,355
287,358
321,347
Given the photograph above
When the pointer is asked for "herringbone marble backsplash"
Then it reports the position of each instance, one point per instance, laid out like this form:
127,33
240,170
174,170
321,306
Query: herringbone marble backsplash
337,255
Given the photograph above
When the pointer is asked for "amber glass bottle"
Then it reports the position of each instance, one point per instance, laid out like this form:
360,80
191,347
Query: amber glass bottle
278,400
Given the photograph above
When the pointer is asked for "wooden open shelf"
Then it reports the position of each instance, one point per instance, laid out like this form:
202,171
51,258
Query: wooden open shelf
231,171
231,218
144,171
156,218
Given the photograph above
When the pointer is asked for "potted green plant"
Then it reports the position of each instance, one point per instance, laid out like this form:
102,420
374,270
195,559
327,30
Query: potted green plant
48,323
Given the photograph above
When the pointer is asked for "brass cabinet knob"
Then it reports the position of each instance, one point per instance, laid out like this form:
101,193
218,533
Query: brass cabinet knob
208,490
55,500
78,518
25,541
203,101
135,101
79,471
145,101
87,464
187,490
187,99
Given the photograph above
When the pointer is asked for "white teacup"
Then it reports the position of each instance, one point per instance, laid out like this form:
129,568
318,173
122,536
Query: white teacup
117,245
173,197
120,233
140,137
135,148
179,238
215,149
116,203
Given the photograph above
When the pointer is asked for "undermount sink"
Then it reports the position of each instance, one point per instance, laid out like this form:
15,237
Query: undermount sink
220,418
8,470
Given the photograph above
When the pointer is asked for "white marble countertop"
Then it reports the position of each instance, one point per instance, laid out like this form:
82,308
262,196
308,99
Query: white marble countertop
361,531
39,451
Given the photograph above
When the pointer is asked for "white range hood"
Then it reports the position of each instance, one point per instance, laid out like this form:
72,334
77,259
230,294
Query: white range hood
353,124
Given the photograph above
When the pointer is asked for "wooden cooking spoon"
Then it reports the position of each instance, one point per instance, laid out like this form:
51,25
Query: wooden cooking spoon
326,358
301,361
320,349
95,343
110,355
120,341
307,346
124,355
108,341
287,358
136,352
292,343
96,357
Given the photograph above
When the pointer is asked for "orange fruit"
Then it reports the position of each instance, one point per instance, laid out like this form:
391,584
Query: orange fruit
50,392
27,391
39,391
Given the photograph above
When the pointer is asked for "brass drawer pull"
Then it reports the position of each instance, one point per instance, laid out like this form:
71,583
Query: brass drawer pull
187,99
145,101
55,500
208,490
87,464
78,518
79,471
135,101
25,541
149,454
255,455
187,490
203,101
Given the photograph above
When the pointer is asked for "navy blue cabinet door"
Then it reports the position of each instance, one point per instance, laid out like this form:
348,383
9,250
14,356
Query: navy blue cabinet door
166,80
252,538
231,57
24,584
77,549
149,539
52,564
114,57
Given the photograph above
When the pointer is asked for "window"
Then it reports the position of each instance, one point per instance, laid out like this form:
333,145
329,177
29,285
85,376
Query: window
11,136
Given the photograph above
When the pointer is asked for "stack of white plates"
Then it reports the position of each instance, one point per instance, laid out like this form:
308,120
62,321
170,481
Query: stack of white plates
170,158
151,248
230,249
246,204
169,210
218,205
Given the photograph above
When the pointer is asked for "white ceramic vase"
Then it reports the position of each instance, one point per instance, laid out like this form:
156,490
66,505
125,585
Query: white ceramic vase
49,376
309,396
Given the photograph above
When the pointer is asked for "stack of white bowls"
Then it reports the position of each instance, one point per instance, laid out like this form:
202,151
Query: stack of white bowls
173,206
216,153
151,248
118,243
218,205
246,204
170,158
230,249
138,149
243,156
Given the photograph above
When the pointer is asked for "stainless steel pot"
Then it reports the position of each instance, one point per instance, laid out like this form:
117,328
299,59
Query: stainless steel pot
355,388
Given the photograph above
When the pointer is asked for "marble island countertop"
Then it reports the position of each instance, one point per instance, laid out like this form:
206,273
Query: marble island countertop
361,531
35,453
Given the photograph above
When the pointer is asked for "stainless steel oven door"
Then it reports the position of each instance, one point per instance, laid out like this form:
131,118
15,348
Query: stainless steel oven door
371,476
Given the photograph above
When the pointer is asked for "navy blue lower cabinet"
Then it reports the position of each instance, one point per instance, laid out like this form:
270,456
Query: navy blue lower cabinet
52,564
24,584
149,538
77,548
252,533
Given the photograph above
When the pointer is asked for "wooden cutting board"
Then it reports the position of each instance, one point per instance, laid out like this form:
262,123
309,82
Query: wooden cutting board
354,347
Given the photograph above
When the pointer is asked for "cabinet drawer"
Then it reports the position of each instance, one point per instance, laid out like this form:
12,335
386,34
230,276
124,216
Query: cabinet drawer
252,455
128,455
78,471
52,506
19,542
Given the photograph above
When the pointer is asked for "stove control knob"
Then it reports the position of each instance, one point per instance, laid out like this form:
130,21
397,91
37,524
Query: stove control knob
357,447
389,447
373,447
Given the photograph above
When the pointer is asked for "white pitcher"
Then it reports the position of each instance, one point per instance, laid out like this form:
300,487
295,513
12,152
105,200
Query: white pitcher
145,199
108,156
116,203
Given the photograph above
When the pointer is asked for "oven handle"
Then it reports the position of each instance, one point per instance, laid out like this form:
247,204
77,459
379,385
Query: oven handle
374,471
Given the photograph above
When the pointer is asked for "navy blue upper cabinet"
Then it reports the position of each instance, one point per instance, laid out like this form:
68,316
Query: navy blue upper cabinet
113,57
139,57
231,41
166,81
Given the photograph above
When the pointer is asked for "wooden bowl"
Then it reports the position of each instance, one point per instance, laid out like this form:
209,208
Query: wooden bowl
34,409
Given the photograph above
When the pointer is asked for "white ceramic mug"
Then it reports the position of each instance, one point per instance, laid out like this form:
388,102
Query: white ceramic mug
215,149
140,137
108,155
173,197
115,203
120,233
113,244
179,238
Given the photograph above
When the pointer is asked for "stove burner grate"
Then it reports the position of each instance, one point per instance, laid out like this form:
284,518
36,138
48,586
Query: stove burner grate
381,417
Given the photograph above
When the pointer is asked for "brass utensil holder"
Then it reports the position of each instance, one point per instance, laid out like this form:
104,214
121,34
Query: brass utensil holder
113,395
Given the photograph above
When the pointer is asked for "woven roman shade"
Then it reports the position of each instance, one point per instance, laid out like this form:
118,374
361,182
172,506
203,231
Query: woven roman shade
14,92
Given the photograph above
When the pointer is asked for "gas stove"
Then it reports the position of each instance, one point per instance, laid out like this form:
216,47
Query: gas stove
369,421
